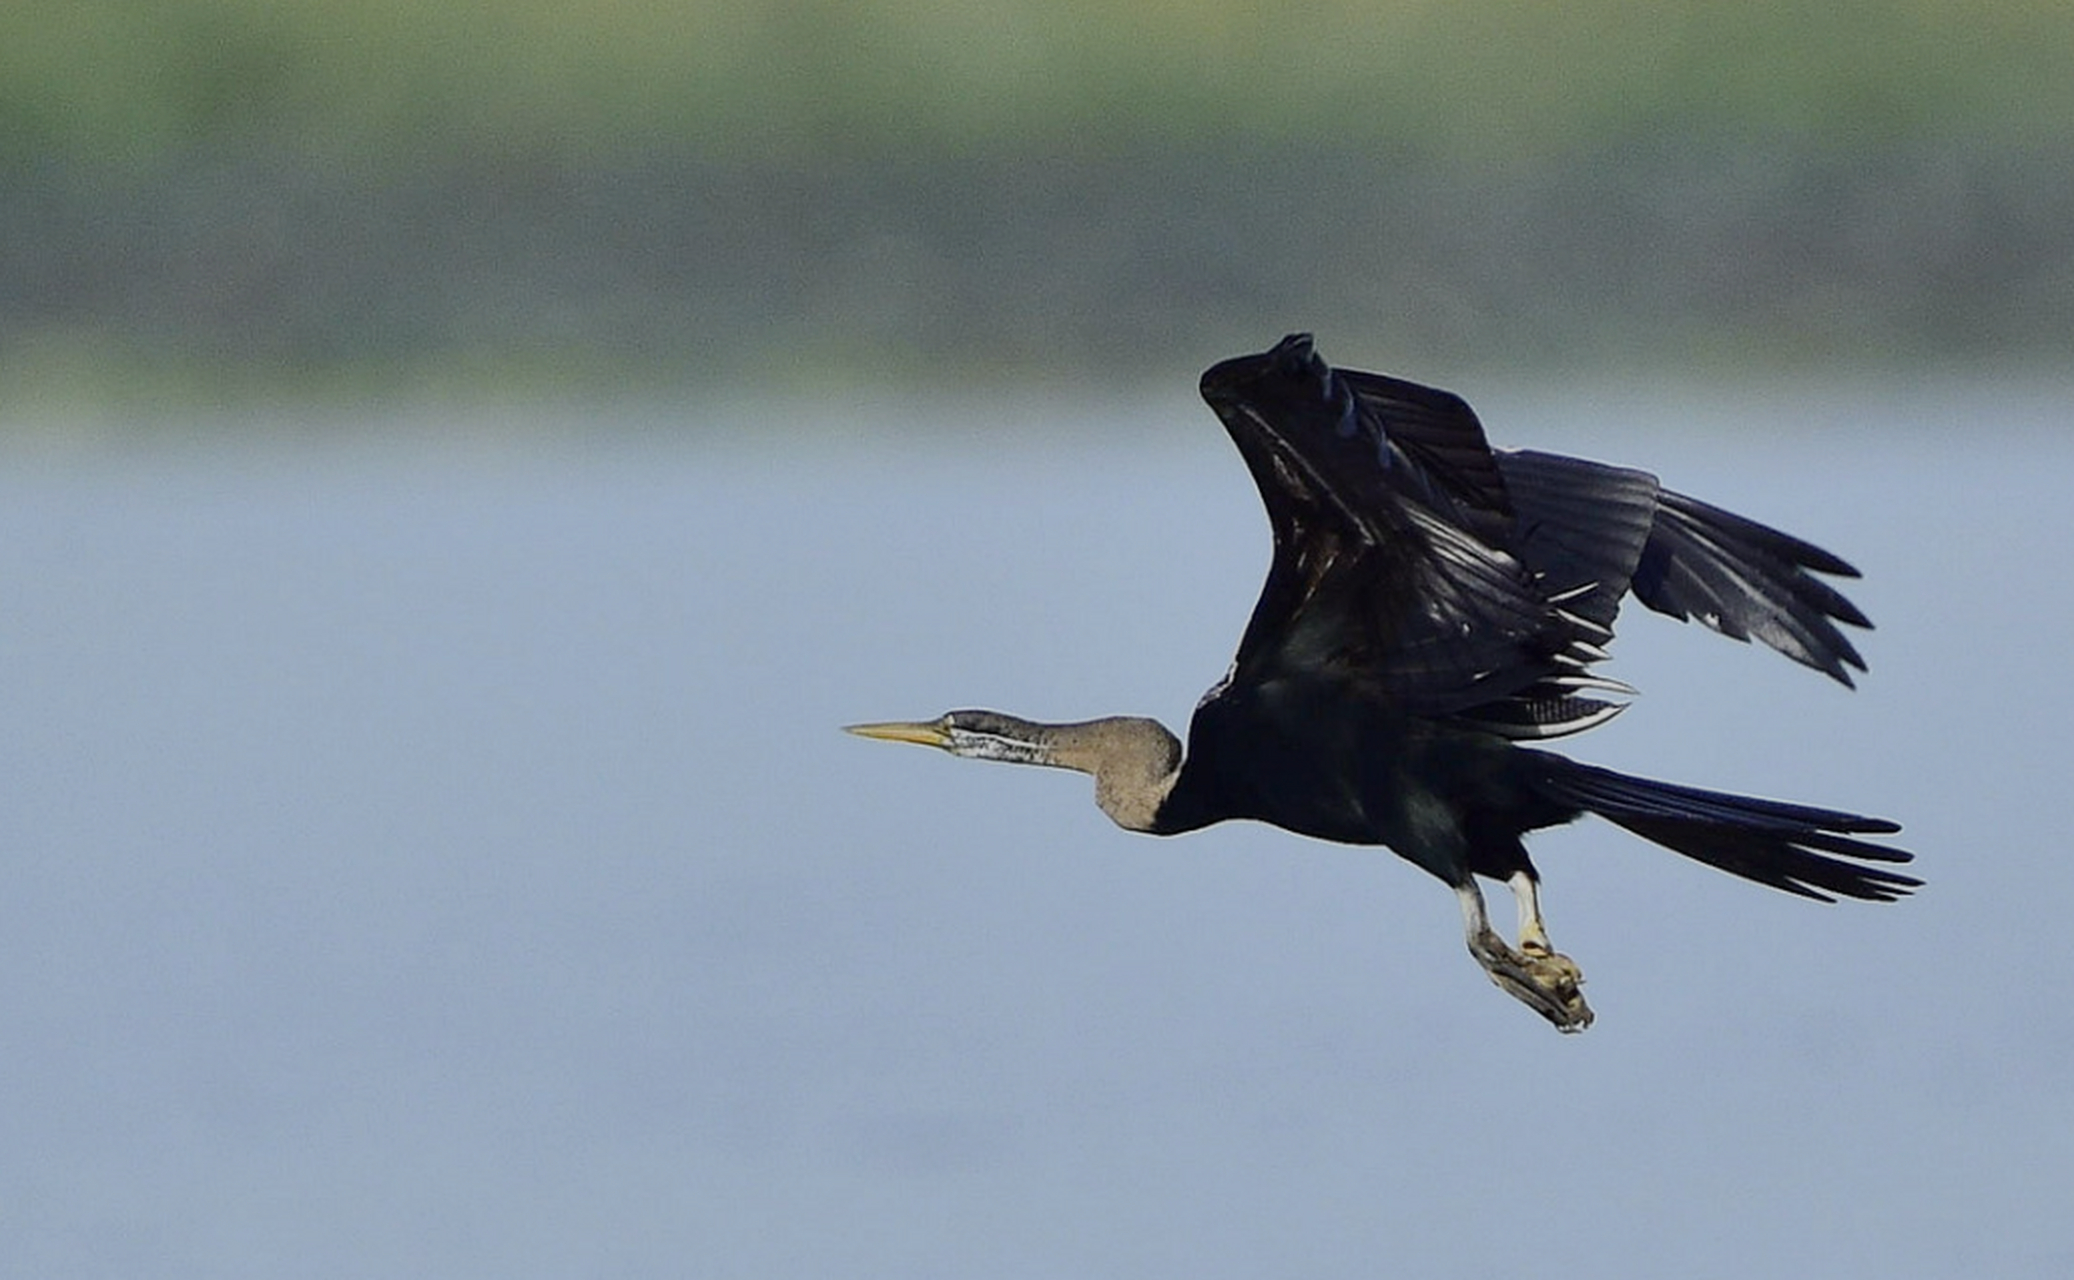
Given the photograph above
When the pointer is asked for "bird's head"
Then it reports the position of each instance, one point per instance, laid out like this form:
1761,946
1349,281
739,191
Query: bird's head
974,735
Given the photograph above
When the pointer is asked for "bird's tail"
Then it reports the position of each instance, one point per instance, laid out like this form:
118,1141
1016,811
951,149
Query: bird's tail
1796,847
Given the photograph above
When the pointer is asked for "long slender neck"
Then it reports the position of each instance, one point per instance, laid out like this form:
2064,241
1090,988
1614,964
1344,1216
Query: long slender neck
1134,760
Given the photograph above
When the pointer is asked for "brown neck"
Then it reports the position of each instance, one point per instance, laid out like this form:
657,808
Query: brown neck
1134,762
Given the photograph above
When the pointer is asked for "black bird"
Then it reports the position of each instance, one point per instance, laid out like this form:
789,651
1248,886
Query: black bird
1433,603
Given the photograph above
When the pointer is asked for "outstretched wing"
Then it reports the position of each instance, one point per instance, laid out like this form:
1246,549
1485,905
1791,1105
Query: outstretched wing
1479,584
1696,561
1575,522
1380,575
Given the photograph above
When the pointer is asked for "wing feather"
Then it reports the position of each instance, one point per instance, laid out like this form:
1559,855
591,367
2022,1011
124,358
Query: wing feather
1460,581
1377,575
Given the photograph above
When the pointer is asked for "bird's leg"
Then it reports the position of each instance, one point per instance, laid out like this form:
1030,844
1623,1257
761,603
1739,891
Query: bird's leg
1535,975
1533,935
1556,970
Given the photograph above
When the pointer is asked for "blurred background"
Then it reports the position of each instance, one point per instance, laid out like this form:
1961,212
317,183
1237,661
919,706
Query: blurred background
460,463
208,197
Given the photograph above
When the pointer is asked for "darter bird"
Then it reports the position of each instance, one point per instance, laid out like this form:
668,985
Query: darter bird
1433,604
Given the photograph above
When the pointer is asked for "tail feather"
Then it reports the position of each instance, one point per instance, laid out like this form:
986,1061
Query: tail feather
1795,847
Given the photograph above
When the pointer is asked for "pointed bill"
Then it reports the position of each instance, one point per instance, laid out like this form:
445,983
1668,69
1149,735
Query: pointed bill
930,734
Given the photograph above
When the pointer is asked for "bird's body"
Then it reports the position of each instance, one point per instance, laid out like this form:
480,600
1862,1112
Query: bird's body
1434,603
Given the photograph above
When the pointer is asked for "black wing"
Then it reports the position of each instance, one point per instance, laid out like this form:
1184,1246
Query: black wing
1387,569
1748,581
1576,522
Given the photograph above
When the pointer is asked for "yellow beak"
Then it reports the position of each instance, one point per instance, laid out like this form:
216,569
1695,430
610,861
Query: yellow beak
928,735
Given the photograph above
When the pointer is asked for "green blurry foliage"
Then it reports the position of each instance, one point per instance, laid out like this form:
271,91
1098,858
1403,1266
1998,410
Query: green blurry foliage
382,81
206,194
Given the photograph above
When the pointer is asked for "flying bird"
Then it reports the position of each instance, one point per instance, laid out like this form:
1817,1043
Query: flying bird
1435,604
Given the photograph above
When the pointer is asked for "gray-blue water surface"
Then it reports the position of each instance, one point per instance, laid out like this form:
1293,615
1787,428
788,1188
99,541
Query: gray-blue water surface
434,854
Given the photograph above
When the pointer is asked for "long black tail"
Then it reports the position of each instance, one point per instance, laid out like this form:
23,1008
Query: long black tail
1787,846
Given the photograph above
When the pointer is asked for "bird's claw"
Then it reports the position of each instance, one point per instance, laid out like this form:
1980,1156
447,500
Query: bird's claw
1545,981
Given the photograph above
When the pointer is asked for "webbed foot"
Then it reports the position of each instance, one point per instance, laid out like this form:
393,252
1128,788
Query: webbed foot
1545,981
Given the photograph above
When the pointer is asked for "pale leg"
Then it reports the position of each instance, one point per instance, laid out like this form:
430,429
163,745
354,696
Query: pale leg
1533,935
